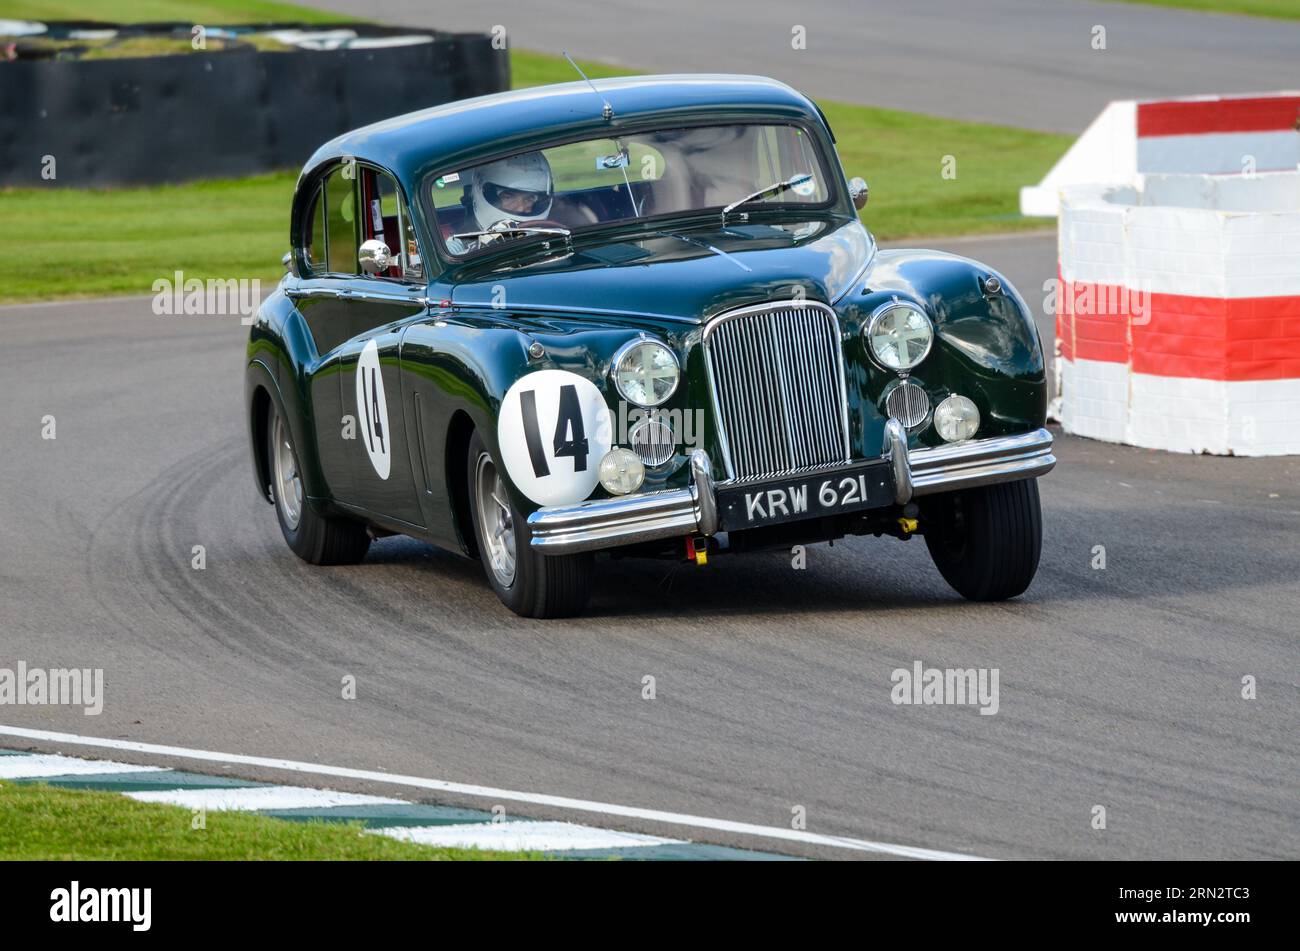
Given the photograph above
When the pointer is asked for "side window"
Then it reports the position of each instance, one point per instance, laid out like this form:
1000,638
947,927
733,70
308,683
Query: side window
341,221
315,246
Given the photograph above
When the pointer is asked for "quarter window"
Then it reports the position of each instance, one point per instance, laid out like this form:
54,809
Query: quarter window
389,220
315,247
341,220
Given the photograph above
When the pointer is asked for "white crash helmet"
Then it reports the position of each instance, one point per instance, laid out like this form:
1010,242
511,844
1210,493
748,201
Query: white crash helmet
529,173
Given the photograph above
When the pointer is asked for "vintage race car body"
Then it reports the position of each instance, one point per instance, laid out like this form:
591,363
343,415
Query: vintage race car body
373,377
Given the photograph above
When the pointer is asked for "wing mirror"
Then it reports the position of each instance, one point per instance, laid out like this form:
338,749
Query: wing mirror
858,192
374,256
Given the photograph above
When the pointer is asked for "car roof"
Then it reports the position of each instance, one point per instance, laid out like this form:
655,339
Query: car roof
458,134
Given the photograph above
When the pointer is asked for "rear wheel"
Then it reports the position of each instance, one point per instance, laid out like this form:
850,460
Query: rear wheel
528,583
986,542
312,536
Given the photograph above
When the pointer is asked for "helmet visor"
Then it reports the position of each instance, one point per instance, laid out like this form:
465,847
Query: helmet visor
517,201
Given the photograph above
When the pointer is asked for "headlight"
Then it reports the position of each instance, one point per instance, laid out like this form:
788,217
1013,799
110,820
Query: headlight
645,372
899,335
621,472
956,418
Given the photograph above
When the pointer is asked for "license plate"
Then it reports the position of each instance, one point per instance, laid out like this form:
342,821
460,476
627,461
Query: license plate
807,496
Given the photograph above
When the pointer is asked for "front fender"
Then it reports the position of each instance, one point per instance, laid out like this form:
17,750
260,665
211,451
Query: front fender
465,362
986,345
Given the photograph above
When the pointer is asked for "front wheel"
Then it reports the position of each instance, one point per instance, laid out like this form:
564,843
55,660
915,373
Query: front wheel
528,583
986,542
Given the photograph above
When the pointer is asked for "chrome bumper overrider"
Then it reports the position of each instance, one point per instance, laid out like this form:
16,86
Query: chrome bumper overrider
609,523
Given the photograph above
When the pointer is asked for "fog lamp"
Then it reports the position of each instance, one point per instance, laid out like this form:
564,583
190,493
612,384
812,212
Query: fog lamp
621,472
956,418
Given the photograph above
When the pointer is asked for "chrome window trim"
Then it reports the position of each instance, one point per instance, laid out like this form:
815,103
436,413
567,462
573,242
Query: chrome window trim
824,151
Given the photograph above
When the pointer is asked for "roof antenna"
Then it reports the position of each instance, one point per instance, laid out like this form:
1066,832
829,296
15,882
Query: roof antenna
607,112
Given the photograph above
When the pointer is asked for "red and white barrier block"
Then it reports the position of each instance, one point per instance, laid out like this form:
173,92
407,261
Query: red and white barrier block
1178,313
1210,135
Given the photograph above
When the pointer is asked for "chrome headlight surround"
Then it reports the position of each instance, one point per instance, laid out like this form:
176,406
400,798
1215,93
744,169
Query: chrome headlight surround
626,365
884,326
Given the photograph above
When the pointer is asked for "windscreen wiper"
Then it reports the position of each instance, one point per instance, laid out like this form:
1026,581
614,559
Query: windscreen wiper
511,229
776,188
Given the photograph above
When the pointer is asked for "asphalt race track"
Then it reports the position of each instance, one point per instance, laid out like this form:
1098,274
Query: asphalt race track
1119,687
1029,63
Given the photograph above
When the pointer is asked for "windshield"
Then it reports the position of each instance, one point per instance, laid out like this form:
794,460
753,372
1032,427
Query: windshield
560,190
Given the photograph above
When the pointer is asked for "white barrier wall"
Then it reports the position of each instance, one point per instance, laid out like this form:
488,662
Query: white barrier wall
1202,135
1178,314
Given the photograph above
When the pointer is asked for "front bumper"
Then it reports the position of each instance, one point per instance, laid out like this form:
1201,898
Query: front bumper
674,513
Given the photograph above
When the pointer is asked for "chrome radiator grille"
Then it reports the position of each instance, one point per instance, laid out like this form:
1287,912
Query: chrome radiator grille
778,388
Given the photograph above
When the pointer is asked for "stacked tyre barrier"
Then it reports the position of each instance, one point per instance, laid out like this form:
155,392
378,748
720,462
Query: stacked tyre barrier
226,109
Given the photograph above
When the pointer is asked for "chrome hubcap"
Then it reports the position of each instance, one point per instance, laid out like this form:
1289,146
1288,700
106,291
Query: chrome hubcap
288,484
496,522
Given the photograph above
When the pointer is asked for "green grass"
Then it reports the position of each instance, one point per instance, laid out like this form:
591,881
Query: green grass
94,242
43,823
902,156
1274,9
143,11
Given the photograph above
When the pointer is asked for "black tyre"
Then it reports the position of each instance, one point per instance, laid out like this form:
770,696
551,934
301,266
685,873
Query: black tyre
528,583
986,542
312,536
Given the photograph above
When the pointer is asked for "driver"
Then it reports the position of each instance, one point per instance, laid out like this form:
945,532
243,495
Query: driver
512,191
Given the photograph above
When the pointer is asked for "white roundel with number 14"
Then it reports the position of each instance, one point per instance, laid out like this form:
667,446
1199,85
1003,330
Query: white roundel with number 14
372,410
554,428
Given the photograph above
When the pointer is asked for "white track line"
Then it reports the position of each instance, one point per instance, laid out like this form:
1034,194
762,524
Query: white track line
522,837
488,792
47,765
252,798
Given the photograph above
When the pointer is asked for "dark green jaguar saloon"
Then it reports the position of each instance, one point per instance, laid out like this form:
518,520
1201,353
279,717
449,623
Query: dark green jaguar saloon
640,317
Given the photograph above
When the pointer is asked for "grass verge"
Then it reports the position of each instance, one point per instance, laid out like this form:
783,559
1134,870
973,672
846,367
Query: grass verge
95,242
147,11
43,823
1273,9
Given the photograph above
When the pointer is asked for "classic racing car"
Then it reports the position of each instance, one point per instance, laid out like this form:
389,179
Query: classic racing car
637,316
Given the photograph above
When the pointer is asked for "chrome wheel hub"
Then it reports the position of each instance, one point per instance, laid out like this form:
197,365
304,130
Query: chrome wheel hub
496,521
288,483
